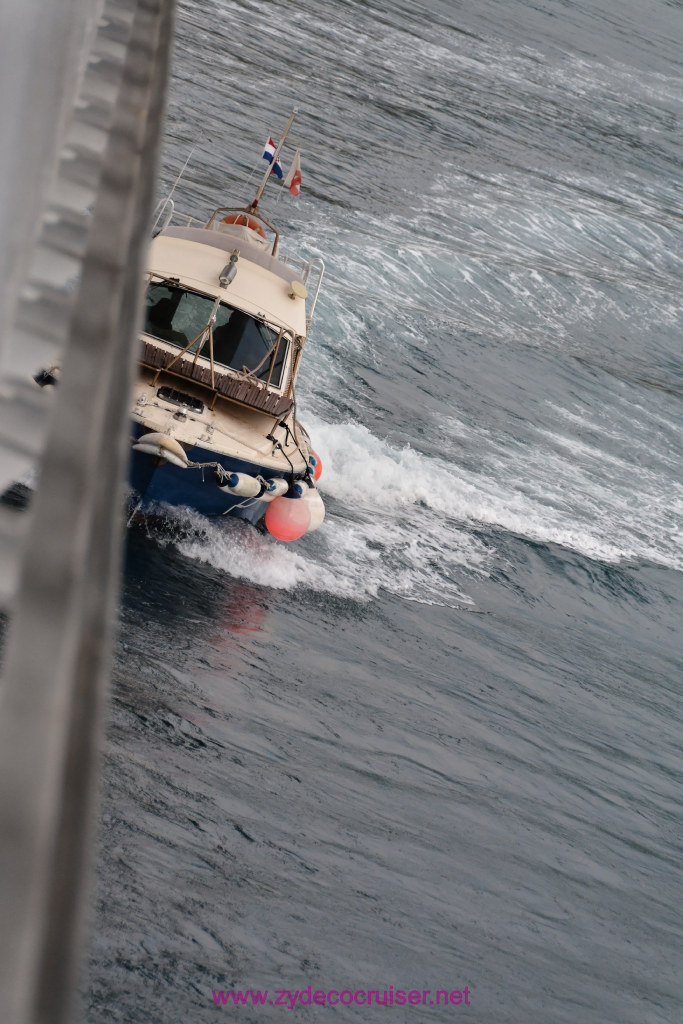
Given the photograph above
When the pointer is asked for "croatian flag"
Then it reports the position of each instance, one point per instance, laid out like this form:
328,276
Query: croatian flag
293,179
268,154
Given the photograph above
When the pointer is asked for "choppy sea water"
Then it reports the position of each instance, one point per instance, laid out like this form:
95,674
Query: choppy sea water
437,743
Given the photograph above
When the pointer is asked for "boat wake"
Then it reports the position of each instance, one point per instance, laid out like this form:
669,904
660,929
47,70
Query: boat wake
420,527
351,558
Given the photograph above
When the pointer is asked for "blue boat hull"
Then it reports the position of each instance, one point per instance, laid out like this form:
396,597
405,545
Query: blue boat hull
154,482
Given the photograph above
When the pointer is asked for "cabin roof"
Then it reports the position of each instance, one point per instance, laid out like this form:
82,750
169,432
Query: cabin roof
261,287
227,243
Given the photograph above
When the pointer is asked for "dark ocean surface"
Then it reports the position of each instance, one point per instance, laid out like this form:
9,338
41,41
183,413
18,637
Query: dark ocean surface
437,744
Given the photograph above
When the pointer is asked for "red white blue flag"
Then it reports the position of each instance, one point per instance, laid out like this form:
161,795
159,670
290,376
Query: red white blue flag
268,154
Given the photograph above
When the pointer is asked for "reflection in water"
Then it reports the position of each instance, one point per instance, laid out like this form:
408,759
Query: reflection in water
196,602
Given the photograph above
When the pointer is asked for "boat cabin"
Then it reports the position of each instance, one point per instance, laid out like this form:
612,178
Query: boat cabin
224,311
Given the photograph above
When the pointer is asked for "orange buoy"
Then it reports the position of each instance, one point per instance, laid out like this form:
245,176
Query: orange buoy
316,464
288,518
246,221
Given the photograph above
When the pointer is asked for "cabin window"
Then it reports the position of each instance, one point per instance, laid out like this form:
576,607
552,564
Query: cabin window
176,315
240,341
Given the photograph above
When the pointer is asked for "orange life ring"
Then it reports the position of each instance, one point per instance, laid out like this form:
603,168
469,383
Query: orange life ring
246,221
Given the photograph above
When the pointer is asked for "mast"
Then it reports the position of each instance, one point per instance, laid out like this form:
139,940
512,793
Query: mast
269,169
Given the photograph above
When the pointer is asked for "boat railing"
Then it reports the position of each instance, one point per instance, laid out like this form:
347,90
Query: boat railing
311,273
166,210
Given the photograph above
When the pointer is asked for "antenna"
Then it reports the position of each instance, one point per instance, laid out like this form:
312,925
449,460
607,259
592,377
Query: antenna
162,206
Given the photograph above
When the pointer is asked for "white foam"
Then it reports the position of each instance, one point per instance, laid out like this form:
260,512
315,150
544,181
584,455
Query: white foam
348,559
402,521
577,493
561,490
388,530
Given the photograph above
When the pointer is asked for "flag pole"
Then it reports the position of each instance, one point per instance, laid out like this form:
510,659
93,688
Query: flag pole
269,169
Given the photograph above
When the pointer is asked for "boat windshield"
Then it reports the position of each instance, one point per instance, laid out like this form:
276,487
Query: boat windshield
240,341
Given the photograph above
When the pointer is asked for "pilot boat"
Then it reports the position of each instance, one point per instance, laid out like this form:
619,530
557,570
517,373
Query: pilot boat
226,320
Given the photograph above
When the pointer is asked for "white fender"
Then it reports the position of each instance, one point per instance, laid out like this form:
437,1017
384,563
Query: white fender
300,488
315,503
164,447
242,484
274,489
